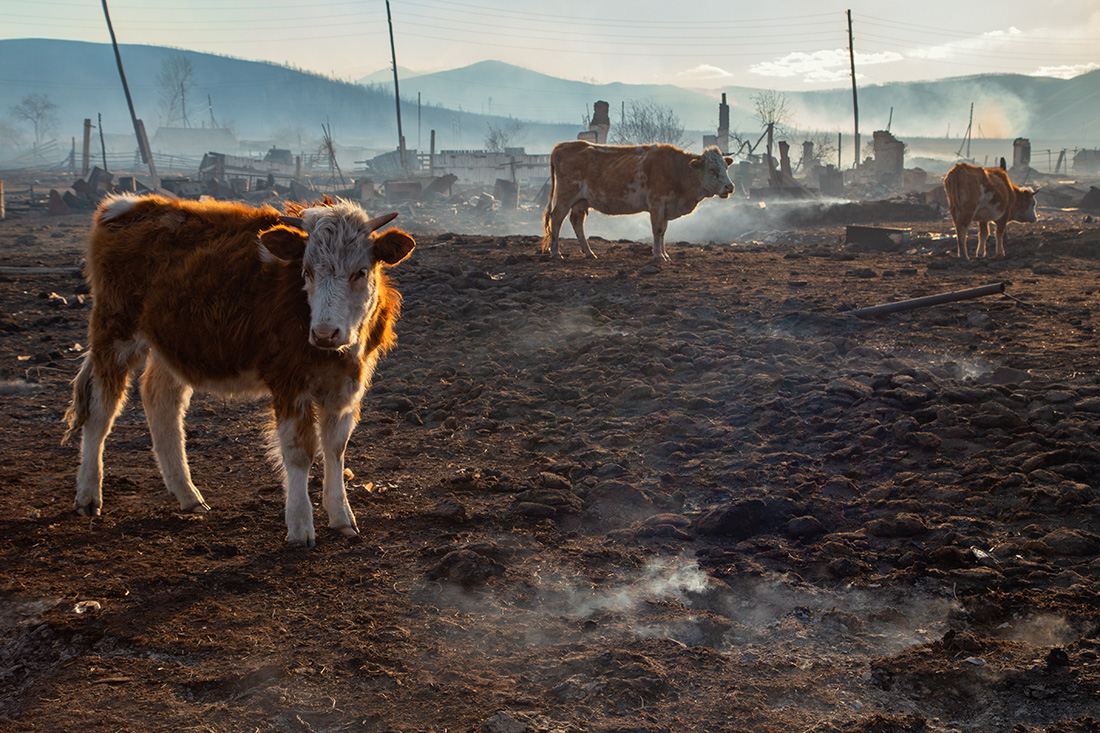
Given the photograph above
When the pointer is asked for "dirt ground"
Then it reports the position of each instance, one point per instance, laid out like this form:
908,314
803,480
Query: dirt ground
599,496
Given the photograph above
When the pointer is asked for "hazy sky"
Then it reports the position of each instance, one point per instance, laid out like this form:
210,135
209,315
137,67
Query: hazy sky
786,44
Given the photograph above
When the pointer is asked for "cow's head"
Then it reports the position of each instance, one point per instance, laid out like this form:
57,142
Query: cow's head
1025,206
341,255
716,181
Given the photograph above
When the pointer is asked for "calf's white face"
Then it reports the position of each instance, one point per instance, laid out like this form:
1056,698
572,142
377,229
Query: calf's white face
339,273
340,267
716,180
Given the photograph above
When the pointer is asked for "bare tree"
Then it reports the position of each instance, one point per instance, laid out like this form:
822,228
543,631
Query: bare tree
39,111
175,81
502,136
642,123
824,148
772,108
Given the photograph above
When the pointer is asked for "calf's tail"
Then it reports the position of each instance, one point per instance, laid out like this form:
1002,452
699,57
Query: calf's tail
77,414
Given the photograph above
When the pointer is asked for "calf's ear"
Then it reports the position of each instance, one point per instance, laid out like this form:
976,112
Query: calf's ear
696,162
282,244
392,246
729,161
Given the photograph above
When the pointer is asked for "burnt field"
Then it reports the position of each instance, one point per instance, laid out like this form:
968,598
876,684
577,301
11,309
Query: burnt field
595,496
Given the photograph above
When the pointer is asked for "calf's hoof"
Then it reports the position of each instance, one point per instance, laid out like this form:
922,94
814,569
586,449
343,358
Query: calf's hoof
347,531
87,510
201,508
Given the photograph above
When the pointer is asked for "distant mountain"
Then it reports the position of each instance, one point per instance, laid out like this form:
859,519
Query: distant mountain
385,76
1005,105
497,88
269,103
257,100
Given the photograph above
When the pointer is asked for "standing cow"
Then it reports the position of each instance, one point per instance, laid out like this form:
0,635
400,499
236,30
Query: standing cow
236,300
987,196
628,179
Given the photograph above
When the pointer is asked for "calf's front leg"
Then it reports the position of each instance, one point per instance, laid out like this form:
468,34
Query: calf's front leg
336,427
296,433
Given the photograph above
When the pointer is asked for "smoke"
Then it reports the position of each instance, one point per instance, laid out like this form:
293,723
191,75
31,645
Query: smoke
1042,630
675,598
661,579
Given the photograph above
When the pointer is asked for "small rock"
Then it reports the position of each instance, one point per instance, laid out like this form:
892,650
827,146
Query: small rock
533,510
465,567
449,510
902,525
740,519
503,723
1071,542
554,481
806,526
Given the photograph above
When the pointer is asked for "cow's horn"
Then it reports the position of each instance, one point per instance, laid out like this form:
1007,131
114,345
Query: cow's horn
380,221
293,221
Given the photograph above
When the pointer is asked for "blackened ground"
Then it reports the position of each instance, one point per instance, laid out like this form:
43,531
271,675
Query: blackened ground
595,496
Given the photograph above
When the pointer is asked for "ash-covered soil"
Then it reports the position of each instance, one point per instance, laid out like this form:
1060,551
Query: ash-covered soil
595,496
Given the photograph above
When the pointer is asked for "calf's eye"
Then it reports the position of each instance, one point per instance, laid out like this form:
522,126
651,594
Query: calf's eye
358,275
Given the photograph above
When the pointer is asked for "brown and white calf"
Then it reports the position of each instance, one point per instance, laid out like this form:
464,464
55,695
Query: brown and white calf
987,196
629,179
236,300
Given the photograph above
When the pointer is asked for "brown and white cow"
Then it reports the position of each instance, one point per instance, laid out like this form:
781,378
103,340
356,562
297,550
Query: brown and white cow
629,179
236,300
987,196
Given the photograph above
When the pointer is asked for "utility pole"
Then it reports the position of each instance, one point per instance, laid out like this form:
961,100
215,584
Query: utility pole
139,126
396,92
855,100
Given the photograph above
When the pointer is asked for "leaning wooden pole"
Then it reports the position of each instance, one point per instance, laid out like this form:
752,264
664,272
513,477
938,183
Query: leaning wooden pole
855,99
139,128
396,93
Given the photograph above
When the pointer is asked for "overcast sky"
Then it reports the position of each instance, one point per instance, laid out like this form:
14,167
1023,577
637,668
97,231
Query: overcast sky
786,44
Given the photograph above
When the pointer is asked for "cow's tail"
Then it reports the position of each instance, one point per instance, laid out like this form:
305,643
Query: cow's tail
549,207
951,187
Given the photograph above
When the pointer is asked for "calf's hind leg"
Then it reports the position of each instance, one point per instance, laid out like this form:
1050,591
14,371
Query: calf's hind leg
165,399
99,391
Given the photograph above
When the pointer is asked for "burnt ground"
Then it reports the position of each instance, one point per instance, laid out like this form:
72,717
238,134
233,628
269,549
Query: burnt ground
595,496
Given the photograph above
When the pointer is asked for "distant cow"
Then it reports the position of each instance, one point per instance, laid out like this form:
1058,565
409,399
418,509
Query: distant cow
987,196
225,297
628,179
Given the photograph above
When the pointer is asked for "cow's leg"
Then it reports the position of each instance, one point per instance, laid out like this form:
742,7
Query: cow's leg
165,399
660,224
556,219
296,433
1001,227
961,227
99,391
982,232
577,213
336,427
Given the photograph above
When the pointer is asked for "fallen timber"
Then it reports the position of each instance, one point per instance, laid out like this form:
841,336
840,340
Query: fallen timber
928,300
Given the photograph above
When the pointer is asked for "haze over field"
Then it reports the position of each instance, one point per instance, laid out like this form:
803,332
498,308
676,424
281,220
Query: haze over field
275,74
